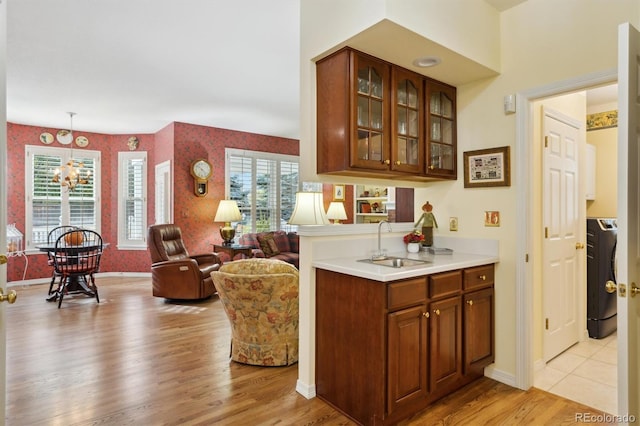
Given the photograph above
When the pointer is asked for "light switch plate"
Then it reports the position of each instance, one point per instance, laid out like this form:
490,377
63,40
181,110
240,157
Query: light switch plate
453,224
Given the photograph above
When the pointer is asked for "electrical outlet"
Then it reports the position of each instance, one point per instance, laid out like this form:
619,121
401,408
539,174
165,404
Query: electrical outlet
453,224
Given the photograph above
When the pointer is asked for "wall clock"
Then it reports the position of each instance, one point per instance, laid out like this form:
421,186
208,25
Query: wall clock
201,171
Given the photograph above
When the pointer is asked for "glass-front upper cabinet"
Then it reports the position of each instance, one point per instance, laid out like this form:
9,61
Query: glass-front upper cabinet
407,148
372,97
441,130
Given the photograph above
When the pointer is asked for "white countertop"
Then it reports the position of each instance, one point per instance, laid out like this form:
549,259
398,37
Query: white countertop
437,263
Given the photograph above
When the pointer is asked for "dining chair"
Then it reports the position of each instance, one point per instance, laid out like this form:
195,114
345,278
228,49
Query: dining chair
76,259
52,236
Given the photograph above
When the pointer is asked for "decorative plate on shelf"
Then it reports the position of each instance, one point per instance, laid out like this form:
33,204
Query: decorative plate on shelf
46,138
82,141
65,137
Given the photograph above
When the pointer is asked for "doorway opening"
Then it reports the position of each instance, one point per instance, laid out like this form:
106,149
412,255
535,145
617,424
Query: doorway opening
586,371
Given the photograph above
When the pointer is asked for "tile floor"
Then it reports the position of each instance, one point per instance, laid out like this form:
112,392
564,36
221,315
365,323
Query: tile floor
585,373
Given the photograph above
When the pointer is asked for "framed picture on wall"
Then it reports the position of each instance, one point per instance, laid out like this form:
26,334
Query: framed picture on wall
487,167
338,192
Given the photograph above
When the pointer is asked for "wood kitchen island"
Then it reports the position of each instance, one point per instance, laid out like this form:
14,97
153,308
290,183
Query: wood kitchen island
390,341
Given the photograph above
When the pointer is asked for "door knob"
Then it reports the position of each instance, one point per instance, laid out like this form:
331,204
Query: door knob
3,259
634,290
9,297
579,246
621,288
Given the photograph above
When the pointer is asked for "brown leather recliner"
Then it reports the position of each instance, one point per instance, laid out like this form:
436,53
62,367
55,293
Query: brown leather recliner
175,274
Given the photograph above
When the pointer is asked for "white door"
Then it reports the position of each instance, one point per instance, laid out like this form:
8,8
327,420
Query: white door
628,264
3,201
561,225
164,193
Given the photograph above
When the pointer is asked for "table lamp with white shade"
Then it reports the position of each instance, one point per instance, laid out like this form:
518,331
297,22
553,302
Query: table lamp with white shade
228,212
336,212
309,209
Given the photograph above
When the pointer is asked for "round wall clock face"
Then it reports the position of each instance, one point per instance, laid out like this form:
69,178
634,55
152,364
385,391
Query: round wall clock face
201,169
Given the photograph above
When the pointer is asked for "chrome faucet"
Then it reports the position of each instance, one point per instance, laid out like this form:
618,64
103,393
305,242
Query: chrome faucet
380,254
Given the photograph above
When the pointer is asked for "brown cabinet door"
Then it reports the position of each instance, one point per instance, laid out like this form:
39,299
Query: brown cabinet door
370,147
441,132
407,140
478,330
446,344
407,378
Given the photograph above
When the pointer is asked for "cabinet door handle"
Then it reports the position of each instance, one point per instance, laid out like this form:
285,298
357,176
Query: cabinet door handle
483,277
425,314
470,302
432,167
387,161
398,162
436,311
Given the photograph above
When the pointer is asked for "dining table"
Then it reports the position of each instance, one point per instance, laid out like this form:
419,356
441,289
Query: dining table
77,285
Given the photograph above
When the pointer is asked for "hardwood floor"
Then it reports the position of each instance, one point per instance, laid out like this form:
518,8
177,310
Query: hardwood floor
135,359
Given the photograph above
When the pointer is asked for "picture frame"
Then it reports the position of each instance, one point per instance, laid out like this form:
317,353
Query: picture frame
338,192
487,167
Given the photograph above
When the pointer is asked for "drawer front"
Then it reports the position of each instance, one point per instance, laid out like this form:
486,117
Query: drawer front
445,284
407,293
481,276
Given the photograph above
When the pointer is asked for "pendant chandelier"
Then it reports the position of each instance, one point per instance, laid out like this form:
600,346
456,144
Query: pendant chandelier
70,175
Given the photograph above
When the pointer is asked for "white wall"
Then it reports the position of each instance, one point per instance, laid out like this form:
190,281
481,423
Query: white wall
542,42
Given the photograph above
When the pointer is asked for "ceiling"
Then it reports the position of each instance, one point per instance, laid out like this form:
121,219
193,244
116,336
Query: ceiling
128,67
135,66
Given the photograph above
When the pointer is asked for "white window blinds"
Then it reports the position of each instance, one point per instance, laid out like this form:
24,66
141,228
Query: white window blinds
48,204
264,185
132,199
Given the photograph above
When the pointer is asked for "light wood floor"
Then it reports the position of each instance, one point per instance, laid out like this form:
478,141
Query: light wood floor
135,359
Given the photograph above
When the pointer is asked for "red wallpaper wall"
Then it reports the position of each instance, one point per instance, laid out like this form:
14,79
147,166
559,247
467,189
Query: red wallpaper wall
181,143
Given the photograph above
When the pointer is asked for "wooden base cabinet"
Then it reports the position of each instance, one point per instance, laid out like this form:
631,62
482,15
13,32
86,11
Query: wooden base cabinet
385,351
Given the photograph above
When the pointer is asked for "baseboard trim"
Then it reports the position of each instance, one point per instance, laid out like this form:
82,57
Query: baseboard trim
47,280
500,376
308,391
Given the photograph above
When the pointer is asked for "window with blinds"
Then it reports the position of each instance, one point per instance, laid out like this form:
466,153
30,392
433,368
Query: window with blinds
132,200
264,185
48,204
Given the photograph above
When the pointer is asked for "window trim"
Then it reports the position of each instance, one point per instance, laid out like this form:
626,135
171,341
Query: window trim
65,154
123,242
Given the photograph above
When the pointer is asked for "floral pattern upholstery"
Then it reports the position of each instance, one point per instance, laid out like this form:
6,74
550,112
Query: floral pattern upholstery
260,298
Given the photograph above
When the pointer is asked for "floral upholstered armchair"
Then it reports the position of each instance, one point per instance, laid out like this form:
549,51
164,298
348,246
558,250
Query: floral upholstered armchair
260,298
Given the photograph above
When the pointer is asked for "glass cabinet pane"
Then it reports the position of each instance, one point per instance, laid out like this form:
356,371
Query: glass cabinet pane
413,123
376,83
363,111
412,95
375,150
402,93
412,151
447,106
447,131
435,129
434,103
441,156
376,115
363,144
363,80
402,120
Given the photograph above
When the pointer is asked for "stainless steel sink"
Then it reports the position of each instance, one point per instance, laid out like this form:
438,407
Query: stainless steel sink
395,262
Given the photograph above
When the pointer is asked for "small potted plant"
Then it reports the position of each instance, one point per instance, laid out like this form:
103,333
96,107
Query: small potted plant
413,240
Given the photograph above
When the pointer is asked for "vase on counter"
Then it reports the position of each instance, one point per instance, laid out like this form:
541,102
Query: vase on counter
413,247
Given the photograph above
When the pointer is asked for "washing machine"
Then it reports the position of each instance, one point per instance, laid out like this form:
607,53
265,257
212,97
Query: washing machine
602,307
